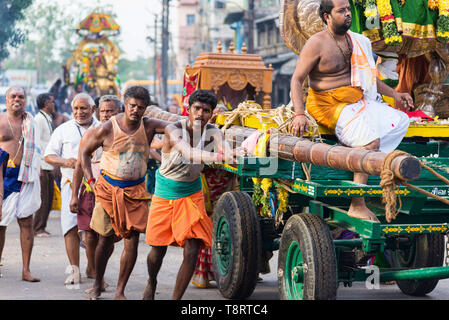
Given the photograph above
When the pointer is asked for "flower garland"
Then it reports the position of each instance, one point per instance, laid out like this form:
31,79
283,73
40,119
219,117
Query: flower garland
443,21
283,199
261,195
370,9
389,28
432,4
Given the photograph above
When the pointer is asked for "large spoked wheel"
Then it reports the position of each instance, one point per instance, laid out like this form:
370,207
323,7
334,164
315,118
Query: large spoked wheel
307,266
425,250
237,247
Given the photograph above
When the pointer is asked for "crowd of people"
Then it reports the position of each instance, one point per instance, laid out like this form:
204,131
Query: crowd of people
98,161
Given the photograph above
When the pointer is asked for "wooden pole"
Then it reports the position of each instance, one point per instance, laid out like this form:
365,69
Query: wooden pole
404,167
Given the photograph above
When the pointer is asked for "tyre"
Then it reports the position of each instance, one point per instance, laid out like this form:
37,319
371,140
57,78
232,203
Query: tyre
237,245
306,245
425,250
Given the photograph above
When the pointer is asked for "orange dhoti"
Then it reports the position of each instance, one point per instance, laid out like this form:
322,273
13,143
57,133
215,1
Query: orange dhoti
127,207
173,221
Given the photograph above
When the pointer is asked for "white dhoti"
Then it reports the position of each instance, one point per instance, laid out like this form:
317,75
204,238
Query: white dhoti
20,205
363,122
24,203
68,219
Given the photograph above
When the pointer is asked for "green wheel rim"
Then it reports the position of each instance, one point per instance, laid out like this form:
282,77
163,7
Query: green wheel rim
223,245
293,278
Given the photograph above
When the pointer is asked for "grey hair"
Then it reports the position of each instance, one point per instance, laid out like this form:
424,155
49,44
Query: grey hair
15,87
111,97
83,95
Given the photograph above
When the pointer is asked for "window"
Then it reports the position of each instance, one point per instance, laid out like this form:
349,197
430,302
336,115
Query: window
190,19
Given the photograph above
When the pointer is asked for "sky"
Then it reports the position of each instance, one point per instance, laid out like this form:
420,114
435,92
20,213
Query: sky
136,19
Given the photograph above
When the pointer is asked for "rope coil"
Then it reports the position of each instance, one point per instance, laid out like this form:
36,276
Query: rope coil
389,182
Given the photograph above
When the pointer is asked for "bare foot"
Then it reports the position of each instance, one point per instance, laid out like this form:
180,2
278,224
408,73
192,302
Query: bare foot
103,288
148,294
93,293
120,297
74,278
26,276
361,212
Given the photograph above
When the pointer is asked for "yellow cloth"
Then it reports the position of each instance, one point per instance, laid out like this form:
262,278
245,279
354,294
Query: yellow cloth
56,201
325,106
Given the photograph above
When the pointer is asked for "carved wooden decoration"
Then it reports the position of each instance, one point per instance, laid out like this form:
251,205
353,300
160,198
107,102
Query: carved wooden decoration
236,69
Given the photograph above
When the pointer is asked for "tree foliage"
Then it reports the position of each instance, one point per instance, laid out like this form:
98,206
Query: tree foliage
50,27
11,12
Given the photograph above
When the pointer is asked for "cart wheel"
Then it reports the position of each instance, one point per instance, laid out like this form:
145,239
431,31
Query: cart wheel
237,248
307,266
426,250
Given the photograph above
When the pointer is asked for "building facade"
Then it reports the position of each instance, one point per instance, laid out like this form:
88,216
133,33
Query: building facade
201,26
270,46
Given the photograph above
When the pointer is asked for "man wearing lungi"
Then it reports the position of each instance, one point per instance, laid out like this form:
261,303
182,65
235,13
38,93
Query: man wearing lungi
21,184
62,151
83,200
177,214
121,198
344,93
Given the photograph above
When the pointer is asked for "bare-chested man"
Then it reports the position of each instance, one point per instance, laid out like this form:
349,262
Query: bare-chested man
21,197
83,200
344,92
121,197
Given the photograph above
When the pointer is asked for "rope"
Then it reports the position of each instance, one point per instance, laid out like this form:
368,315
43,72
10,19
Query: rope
281,115
243,110
388,183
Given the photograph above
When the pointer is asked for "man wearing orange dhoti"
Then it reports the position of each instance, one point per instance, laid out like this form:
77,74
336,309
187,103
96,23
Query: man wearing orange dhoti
344,92
178,215
121,198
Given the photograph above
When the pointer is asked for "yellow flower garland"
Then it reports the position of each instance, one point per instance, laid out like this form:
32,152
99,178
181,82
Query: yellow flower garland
261,195
443,19
283,199
389,28
433,4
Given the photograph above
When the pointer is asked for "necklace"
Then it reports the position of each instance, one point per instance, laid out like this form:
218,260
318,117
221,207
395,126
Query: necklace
20,139
12,131
349,53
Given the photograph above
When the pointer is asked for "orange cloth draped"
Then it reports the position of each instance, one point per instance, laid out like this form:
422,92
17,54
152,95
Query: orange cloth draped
325,106
173,221
127,207
412,72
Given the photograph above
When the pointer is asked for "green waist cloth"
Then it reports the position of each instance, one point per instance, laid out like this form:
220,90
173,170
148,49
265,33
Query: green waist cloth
169,189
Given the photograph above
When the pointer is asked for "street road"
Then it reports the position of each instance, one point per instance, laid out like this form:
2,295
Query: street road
49,262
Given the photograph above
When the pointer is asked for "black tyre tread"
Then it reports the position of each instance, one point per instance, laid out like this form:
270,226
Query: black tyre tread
253,244
321,284
430,253
242,277
228,289
326,282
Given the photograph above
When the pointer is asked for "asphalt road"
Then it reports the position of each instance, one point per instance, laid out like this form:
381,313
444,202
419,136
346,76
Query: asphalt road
49,262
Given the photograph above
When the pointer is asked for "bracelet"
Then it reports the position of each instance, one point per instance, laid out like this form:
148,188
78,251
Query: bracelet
90,180
298,114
